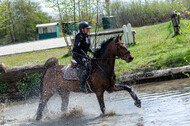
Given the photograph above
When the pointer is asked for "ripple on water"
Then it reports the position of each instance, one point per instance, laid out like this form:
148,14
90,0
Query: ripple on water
163,103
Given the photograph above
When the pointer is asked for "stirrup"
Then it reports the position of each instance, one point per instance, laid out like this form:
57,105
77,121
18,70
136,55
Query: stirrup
82,89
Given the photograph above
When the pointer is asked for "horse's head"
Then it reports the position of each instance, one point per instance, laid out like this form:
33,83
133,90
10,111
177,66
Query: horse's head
122,51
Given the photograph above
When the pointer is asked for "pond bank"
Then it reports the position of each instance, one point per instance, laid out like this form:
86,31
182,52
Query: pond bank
130,79
156,75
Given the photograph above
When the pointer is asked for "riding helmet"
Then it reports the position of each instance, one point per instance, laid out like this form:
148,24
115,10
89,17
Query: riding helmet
84,24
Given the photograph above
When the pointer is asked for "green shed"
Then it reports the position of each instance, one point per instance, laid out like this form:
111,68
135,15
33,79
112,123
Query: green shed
109,22
70,27
49,30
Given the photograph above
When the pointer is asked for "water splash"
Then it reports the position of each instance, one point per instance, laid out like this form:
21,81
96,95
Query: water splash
159,103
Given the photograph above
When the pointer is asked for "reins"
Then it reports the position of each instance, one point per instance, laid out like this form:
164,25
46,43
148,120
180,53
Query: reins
118,57
90,58
103,71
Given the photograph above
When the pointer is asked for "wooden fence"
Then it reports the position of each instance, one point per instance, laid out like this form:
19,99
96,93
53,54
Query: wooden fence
128,36
98,38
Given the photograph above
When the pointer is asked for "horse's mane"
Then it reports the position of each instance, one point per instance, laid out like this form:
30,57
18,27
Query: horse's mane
98,52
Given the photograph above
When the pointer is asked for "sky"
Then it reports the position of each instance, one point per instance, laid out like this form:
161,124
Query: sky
50,11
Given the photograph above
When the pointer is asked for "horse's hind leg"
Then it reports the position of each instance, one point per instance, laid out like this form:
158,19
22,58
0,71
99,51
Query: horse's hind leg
43,101
100,97
65,98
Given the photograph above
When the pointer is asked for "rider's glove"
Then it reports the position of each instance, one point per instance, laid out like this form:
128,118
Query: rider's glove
84,59
92,51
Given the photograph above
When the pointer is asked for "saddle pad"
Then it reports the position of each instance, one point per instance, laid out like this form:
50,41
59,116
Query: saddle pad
69,73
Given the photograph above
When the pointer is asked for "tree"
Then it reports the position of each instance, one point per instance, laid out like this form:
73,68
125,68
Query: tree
107,7
75,11
56,4
3,14
26,13
10,22
20,19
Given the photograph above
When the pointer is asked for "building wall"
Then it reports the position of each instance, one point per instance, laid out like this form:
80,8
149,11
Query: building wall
40,30
57,30
51,29
48,29
48,32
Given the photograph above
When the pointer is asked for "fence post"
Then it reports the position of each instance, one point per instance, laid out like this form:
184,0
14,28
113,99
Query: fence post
94,43
125,34
176,22
72,41
130,33
134,38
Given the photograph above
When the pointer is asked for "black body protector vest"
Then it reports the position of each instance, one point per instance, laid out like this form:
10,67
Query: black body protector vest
82,45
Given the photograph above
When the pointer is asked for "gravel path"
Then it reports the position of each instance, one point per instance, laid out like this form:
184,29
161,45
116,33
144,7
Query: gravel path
32,46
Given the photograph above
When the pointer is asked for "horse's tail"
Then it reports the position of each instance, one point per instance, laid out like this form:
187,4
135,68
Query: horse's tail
41,83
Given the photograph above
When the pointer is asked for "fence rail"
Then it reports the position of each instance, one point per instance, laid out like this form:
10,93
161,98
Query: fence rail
128,36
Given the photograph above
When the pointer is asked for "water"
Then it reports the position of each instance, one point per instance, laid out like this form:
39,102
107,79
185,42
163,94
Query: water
163,104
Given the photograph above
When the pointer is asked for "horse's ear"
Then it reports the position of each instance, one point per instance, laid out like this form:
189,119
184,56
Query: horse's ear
117,38
120,37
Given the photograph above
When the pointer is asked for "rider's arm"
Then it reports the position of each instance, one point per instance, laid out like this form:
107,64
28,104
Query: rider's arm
78,42
86,56
91,51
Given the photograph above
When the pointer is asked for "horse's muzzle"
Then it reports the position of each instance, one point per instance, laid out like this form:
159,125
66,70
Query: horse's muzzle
129,59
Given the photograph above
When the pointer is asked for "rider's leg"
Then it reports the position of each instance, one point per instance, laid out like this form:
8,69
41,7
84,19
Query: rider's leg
83,78
84,74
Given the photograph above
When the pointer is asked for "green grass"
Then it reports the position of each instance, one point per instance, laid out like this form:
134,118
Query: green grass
37,57
98,29
156,48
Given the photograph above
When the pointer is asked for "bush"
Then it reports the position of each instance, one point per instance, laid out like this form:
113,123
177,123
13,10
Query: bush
144,12
29,85
3,87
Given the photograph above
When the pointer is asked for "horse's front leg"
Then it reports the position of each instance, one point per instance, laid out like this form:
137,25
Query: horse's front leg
100,97
118,87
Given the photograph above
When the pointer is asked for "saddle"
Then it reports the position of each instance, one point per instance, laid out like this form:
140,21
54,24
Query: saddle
71,71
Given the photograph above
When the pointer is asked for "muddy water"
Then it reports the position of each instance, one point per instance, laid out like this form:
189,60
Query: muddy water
163,104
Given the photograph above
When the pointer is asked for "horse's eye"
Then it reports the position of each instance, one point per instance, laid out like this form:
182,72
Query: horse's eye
122,47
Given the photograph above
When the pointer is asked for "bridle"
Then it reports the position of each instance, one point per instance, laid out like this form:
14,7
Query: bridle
119,54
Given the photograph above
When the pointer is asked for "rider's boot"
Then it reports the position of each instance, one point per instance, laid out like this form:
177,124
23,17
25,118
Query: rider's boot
83,77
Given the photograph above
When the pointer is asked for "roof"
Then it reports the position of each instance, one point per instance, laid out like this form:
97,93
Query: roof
48,24
70,22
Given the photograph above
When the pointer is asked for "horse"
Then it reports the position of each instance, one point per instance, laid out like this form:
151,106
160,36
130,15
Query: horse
100,80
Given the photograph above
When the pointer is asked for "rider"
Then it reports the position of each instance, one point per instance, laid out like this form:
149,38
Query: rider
81,46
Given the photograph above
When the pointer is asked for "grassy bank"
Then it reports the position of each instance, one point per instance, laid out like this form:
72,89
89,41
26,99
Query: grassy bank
156,48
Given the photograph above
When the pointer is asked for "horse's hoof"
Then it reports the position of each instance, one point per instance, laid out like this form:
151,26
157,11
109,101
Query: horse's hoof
83,89
138,103
38,118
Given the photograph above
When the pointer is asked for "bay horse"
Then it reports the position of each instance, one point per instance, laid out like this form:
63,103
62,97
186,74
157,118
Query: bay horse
100,80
